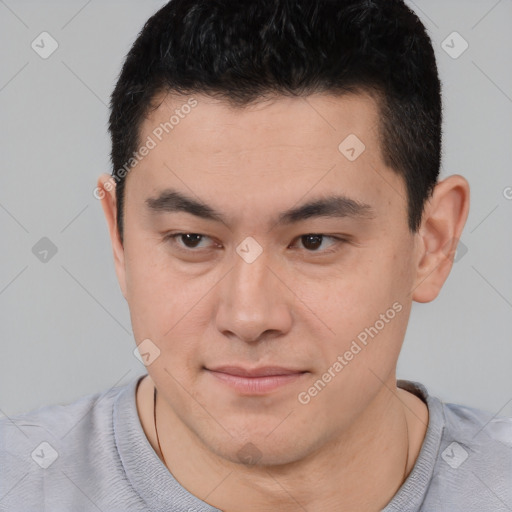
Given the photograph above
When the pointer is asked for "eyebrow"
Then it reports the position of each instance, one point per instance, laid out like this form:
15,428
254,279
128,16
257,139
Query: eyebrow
336,206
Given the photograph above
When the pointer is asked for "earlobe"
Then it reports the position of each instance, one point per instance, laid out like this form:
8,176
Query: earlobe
106,192
443,221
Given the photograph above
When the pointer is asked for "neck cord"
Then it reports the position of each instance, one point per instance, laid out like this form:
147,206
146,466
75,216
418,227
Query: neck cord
156,430
407,454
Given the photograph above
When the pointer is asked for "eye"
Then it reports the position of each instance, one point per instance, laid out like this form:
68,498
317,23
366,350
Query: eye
190,241
312,241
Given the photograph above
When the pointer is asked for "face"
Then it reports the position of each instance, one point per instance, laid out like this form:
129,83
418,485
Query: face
321,291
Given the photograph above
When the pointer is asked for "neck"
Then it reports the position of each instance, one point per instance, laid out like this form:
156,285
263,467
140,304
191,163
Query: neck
360,471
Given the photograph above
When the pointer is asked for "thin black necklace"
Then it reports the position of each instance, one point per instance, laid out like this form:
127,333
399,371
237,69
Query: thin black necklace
156,430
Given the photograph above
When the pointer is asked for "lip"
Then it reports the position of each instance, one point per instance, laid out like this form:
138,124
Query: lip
255,381
264,371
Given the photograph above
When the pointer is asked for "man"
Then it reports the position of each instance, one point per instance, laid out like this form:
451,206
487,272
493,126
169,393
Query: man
274,209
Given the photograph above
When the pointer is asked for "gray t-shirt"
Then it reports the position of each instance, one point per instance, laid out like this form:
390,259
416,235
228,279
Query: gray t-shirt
92,455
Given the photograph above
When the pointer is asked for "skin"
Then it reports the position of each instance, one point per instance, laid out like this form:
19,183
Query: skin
351,447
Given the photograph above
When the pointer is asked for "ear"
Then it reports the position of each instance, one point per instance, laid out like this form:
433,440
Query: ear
442,223
106,192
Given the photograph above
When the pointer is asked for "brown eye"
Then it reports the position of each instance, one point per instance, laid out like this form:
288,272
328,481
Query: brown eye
190,240
186,241
313,241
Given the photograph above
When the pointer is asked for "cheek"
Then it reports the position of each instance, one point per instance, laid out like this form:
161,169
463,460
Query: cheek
166,305
367,302
359,290
152,294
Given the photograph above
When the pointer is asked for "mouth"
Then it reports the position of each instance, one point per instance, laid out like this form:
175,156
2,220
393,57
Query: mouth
255,381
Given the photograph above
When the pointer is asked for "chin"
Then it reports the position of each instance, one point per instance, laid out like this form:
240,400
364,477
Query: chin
262,449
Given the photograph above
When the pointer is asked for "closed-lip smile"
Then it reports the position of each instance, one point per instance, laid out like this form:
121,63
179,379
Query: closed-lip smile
264,371
255,381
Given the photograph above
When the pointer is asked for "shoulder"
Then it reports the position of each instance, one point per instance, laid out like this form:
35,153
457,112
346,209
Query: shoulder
477,426
481,433
45,450
60,422
475,459
465,462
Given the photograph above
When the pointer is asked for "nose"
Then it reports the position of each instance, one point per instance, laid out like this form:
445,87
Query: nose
254,301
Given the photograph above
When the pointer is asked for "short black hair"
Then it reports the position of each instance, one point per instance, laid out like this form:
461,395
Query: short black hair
243,51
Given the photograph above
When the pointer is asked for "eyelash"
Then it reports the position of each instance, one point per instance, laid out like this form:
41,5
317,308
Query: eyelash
338,241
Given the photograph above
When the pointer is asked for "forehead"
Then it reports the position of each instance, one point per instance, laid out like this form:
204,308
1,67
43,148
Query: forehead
273,151
215,125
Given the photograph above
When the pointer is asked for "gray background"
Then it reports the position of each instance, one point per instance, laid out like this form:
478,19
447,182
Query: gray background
65,327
